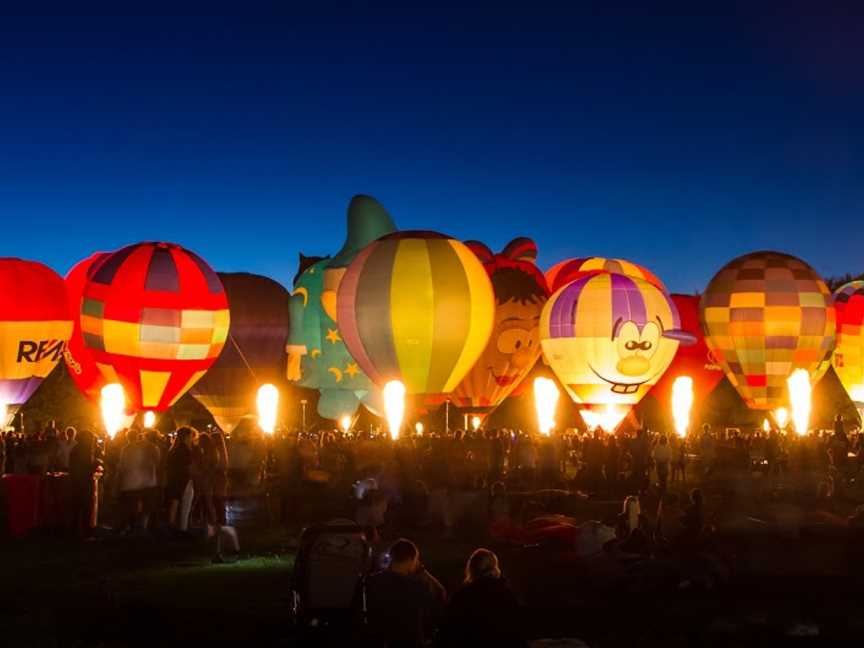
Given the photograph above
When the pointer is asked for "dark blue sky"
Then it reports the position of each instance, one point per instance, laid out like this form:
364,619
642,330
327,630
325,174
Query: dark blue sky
674,139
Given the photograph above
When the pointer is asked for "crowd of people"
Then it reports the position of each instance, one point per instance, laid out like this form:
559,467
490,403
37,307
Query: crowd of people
501,484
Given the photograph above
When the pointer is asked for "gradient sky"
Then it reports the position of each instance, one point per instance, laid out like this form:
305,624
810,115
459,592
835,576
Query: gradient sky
674,139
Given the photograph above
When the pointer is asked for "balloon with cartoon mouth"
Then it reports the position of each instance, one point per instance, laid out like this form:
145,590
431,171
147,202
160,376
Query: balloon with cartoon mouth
609,337
514,346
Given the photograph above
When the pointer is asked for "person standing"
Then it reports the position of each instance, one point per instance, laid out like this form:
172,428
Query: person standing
137,480
662,461
178,481
83,466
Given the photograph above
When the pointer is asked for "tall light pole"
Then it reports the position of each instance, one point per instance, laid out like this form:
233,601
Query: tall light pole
303,425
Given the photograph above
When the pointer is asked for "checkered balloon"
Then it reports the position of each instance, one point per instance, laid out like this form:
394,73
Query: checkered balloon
766,314
154,317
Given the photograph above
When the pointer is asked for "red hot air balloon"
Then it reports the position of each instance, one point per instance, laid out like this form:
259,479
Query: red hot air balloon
694,360
155,317
79,363
35,324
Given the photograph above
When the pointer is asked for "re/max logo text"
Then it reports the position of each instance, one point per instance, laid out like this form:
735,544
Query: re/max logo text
32,351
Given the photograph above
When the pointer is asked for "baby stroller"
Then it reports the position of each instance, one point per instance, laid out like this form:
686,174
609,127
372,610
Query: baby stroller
329,574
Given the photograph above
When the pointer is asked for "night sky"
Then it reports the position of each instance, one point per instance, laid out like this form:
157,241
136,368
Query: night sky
673,139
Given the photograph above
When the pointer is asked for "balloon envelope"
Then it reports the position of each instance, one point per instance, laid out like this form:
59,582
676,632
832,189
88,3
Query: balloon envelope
155,317
693,360
254,353
317,355
609,337
514,346
35,325
766,314
848,358
79,363
566,271
416,307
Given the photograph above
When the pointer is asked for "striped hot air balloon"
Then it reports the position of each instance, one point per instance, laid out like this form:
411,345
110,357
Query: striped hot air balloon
609,337
254,353
416,307
766,314
514,346
79,363
155,317
35,324
566,271
848,358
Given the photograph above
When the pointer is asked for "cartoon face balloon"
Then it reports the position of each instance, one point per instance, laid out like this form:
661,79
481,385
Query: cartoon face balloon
514,346
610,337
766,314
849,355
317,356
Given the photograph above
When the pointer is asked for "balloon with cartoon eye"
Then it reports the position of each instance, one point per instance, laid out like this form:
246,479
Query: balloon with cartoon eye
609,337
514,346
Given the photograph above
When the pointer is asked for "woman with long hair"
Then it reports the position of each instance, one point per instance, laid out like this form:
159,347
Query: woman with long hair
483,611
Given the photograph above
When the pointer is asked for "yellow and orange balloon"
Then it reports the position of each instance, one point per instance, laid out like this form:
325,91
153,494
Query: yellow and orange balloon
766,314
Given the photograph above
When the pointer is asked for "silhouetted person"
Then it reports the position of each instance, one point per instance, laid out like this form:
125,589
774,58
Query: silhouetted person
404,601
483,611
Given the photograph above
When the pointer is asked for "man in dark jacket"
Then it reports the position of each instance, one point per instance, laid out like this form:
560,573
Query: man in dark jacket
404,602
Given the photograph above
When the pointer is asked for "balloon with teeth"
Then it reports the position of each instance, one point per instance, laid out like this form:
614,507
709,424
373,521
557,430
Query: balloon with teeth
609,337
514,346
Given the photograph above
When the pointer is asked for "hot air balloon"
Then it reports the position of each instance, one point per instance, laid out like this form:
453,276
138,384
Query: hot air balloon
154,316
514,346
609,337
693,360
317,356
848,358
254,353
35,324
566,271
766,314
79,363
416,307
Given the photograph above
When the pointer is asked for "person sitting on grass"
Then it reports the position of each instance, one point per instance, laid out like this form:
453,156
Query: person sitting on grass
483,611
404,602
